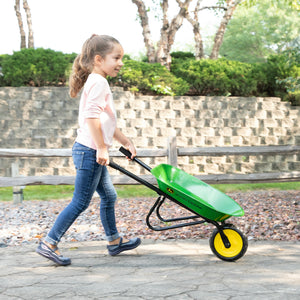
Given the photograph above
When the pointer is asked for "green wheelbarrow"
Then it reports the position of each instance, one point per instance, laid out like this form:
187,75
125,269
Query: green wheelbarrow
207,204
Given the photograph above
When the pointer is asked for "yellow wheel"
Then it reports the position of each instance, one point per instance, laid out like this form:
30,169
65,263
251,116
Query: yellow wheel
238,243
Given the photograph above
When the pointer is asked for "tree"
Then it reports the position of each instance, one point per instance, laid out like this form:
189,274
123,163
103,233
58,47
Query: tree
226,6
199,48
261,30
168,30
21,26
142,13
229,10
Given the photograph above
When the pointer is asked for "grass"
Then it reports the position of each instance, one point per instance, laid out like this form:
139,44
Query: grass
229,188
40,192
50,192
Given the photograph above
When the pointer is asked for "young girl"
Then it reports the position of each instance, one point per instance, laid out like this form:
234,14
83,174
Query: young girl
101,57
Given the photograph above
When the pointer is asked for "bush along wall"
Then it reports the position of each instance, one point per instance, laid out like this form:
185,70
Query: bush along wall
35,67
278,76
216,77
149,78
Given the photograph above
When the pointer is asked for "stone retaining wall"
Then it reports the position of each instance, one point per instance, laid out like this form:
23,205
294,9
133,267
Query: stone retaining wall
47,118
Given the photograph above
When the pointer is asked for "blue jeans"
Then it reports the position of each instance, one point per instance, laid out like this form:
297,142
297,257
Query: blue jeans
90,177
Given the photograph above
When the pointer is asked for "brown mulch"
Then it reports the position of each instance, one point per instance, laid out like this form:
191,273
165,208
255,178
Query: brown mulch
269,215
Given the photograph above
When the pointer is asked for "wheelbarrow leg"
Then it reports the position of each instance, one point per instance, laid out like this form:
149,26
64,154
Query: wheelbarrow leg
150,213
162,200
156,206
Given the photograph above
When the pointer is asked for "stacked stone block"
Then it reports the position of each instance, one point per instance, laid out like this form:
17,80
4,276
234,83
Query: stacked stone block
47,118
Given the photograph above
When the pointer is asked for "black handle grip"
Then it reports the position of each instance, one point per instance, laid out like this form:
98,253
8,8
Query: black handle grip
125,152
129,154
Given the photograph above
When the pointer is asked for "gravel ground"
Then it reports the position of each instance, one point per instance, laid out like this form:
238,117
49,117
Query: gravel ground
269,215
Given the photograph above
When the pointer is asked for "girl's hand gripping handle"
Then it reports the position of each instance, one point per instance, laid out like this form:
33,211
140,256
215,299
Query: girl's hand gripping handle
126,152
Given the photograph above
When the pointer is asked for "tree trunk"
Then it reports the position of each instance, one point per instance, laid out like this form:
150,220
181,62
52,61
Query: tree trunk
177,21
162,55
231,6
20,22
142,11
168,31
199,49
29,24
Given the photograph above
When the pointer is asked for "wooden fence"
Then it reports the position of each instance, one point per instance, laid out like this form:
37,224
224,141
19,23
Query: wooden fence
171,152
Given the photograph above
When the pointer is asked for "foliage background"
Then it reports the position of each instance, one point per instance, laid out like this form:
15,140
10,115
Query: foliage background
277,76
260,56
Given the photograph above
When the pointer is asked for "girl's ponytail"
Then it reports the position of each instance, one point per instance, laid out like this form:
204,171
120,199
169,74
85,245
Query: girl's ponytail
78,77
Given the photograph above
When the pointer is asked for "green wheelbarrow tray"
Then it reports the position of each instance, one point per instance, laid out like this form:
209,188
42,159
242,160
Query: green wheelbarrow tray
207,204
196,194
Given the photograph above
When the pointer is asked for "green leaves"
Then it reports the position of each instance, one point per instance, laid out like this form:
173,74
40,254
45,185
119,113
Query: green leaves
34,67
277,76
149,78
256,32
216,77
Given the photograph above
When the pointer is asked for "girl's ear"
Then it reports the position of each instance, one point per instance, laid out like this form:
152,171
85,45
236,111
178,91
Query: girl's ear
98,59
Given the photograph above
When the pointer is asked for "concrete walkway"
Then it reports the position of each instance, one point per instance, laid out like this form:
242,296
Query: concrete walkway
177,270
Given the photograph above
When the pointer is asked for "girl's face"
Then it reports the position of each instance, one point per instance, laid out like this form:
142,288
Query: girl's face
111,64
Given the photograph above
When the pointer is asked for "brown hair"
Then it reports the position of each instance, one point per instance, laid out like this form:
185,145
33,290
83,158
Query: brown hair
83,63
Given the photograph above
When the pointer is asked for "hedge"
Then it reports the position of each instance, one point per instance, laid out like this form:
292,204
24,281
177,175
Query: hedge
34,67
149,78
216,77
278,76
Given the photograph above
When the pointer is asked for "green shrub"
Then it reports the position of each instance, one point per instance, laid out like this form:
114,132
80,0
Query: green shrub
292,55
149,78
182,55
278,76
294,98
216,77
280,71
260,73
290,84
2,57
2,83
34,67
70,57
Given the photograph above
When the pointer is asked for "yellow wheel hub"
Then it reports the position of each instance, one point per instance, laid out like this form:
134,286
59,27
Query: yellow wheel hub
236,243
